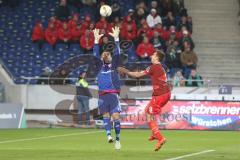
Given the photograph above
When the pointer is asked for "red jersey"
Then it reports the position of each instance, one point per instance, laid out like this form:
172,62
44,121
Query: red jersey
159,79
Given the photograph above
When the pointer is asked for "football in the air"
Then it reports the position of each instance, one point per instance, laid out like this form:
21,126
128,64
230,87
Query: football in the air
105,10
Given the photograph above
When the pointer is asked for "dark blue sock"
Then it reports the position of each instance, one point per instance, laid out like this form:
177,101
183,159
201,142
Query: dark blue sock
107,125
117,127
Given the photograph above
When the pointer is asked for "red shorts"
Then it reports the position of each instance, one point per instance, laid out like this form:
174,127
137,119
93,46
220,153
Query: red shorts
156,103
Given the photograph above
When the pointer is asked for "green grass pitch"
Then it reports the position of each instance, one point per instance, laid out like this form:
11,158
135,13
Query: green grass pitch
90,144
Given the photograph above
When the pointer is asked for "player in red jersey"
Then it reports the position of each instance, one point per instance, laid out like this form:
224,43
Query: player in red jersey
161,94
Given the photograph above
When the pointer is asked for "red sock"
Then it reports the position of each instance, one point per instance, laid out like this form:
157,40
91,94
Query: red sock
154,127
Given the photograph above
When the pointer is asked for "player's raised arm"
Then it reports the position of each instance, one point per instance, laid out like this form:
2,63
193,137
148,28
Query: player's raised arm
97,37
115,34
131,74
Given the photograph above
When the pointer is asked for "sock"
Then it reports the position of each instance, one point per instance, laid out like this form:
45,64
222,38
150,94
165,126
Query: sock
154,127
107,125
117,127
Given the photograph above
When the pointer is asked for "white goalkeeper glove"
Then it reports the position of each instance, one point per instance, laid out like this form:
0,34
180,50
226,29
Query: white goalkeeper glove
115,33
97,36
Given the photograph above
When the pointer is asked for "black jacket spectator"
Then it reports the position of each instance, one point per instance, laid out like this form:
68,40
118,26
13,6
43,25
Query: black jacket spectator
186,40
158,42
62,11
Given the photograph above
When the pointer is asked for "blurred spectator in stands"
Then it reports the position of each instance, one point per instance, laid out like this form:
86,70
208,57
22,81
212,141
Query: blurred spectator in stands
146,30
142,5
189,59
166,6
103,24
145,49
51,35
139,16
142,32
129,29
154,5
153,18
64,34
178,79
62,12
74,5
104,41
76,33
169,20
116,12
129,21
117,22
158,42
38,35
194,79
162,32
57,23
87,41
131,13
177,7
86,23
73,22
173,61
173,34
186,39
185,22
128,33
89,2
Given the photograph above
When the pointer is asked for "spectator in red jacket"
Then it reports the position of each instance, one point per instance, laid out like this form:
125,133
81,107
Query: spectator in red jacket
162,32
72,23
172,32
86,23
146,30
117,23
103,24
51,35
57,23
64,34
38,34
145,49
87,41
129,21
128,33
76,33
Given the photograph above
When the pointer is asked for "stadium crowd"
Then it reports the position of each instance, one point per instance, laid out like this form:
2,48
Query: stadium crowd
151,25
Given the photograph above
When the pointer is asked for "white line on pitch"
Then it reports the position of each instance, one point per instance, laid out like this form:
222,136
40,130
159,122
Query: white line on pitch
47,137
192,154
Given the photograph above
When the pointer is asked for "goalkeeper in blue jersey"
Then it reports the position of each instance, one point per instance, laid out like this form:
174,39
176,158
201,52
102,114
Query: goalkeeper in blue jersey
109,85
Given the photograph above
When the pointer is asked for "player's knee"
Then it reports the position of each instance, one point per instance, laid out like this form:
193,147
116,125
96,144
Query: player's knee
116,116
106,115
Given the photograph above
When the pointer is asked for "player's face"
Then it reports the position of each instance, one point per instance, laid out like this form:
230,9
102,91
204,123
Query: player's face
106,57
154,58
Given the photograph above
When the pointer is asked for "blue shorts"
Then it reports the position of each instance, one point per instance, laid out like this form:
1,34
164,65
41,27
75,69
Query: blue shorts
109,103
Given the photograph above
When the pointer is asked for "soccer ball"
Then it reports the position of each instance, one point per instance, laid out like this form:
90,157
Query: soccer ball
105,10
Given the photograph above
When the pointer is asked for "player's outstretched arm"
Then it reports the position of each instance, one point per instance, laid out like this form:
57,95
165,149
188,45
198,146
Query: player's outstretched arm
97,37
139,74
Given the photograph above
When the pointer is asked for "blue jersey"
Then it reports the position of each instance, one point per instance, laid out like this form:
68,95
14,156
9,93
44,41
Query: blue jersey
108,79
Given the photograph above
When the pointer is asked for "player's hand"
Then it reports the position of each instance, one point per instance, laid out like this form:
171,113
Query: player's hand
97,36
122,70
115,33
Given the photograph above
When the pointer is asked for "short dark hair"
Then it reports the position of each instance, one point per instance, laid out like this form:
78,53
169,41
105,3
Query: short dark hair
160,55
